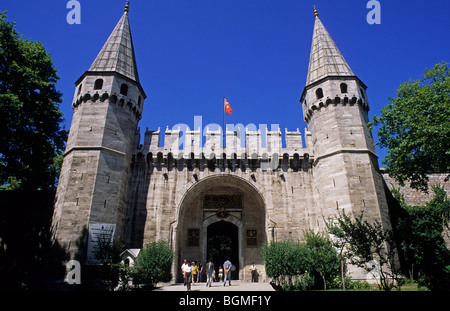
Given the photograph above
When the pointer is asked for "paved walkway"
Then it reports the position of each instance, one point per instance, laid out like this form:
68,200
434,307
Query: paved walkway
218,286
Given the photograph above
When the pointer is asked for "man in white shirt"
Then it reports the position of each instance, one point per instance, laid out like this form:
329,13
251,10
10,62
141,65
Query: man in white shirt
188,275
183,266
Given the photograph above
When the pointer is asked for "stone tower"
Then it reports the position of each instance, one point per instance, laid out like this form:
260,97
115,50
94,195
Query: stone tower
335,108
107,105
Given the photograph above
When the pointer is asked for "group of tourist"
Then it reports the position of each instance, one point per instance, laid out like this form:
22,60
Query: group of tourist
192,273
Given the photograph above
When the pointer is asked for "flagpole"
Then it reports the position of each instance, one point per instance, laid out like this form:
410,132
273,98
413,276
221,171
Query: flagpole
223,123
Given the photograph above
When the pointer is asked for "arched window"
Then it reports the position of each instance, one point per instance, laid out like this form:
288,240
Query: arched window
98,84
343,88
139,101
319,93
79,89
124,89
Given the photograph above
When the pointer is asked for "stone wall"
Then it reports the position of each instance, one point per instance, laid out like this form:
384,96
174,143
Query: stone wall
166,191
415,197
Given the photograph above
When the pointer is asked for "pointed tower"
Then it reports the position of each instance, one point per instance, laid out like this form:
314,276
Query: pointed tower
107,107
335,108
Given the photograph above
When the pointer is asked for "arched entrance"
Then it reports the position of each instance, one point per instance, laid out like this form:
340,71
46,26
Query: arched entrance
222,242
221,216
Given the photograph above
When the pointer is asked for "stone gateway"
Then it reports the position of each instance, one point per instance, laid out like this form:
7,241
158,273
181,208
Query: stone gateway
209,201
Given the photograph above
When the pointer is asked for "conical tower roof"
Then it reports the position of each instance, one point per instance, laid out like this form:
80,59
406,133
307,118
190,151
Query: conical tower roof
325,58
117,53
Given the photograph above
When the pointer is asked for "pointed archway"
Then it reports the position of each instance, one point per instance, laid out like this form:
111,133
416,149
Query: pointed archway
226,206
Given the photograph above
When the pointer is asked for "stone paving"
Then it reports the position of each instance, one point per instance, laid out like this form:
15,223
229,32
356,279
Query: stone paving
218,286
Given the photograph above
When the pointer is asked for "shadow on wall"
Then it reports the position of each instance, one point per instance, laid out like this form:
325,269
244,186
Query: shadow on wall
28,259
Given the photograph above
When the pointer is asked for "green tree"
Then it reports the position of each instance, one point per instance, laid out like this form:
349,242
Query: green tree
371,247
296,266
342,248
154,264
421,242
283,261
107,251
321,256
31,137
415,128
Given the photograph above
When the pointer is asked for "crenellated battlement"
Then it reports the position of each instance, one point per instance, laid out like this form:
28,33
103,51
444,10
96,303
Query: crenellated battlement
115,88
324,102
118,99
260,148
333,91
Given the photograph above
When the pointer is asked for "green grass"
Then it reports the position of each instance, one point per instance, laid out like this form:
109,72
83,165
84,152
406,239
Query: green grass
408,287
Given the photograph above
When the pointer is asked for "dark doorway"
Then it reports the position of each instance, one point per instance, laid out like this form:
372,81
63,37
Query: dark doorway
223,242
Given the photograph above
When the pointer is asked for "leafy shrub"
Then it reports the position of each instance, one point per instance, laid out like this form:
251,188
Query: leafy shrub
304,282
349,284
283,261
301,266
421,244
153,264
321,257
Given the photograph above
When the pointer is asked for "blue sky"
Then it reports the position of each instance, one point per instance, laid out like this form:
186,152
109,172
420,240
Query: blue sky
192,53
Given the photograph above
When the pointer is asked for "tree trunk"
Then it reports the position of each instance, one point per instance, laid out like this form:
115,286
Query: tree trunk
411,273
324,282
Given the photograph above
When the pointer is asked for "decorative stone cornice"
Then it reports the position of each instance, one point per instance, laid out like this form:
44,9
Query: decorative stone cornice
121,100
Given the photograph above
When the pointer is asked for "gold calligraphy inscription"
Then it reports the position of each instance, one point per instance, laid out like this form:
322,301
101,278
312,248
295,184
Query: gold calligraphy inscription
222,201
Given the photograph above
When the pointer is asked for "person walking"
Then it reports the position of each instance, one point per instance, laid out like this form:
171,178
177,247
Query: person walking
182,271
188,275
200,272
209,272
220,273
227,272
194,272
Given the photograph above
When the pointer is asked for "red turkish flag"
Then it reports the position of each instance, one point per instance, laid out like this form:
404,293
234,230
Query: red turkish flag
227,107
